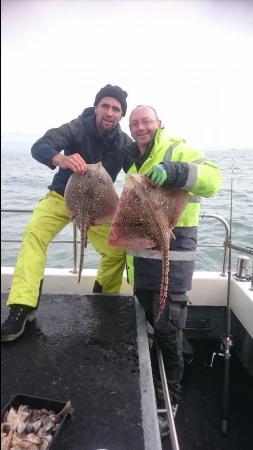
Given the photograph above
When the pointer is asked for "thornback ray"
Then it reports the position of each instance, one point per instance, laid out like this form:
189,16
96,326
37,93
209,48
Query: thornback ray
144,220
90,199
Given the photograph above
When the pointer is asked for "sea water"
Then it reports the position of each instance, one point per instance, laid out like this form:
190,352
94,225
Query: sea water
25,182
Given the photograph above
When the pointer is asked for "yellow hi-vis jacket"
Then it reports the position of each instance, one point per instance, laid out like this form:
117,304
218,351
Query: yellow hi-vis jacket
189,169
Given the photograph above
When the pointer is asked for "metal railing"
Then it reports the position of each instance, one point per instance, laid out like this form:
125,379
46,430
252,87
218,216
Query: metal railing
226,244
73,241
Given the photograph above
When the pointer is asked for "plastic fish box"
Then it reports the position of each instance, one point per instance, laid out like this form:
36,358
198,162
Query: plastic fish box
38,403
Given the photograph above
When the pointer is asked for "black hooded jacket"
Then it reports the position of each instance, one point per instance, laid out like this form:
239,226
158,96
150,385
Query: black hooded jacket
81,136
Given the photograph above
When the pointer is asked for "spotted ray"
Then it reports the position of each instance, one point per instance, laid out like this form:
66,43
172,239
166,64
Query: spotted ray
144,219
91,199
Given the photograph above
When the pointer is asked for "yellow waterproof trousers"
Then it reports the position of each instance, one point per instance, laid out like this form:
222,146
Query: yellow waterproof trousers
48,219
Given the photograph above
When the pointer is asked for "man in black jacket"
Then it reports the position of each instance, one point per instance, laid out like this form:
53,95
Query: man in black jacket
94,136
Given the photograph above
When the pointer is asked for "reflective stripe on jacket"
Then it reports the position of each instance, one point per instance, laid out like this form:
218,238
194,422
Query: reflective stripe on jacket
188,169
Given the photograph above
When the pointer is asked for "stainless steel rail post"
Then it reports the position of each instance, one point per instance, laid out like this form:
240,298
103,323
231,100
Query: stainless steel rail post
172,428
225,254
227,242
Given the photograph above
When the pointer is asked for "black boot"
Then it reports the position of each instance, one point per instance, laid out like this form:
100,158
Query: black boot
15,324
97,288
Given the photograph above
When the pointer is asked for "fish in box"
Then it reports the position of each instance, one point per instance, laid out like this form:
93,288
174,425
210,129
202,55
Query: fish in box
32,422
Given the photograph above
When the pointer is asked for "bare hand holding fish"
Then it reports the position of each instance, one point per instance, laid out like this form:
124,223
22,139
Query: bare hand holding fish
73,162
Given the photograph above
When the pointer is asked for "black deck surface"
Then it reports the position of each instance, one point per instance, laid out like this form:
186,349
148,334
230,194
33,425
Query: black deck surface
81,349
198,420
84,349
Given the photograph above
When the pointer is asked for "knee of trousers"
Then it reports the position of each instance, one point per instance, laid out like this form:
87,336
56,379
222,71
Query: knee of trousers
98,237
172,351
35,236
173,317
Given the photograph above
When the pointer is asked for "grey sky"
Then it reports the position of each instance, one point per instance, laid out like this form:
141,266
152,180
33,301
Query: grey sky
190,59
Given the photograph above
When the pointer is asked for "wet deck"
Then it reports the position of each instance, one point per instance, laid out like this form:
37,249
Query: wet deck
83,349
198,420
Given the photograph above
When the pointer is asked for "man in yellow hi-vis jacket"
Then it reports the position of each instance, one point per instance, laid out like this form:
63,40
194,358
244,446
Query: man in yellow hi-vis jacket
168,162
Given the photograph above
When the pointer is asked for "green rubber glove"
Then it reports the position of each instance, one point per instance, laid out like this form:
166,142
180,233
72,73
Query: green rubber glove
157,174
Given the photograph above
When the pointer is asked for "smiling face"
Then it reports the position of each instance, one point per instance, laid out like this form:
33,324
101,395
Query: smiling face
108,114
143,123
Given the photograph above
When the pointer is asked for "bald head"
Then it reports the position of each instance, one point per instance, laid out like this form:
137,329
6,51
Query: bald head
144,108
143,123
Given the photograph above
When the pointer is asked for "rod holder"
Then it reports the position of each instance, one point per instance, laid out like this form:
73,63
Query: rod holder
242,271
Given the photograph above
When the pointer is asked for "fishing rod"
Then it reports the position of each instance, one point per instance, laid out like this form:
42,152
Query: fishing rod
227,342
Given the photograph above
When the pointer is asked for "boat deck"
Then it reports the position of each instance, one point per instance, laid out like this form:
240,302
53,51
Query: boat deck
86,349
198,420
